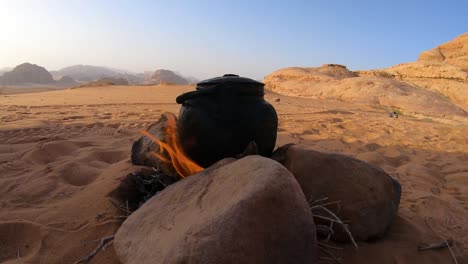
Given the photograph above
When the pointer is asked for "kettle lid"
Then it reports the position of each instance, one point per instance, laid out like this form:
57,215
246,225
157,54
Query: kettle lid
229,79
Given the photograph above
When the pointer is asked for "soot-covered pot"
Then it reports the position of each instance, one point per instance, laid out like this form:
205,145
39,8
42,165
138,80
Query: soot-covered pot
223,116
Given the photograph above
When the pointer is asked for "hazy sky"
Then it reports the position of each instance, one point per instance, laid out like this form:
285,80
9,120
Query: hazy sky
208,38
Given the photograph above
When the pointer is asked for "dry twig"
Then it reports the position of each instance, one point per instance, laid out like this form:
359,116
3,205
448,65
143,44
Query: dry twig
103,244
318,207
331,256
18,254
127,209
443,244
121,207
445,240
335,219
329,246
318,201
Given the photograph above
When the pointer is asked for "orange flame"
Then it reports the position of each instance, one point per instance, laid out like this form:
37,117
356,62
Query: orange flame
183,165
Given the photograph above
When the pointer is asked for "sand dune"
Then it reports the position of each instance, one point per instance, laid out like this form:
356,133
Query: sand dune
63,152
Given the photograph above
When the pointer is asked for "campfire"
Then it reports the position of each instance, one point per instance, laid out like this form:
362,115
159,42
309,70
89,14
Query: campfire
170,152
282,192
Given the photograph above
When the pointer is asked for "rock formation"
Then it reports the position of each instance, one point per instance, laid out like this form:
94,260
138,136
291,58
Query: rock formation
166,77
107,81
436,85
454,52
380,89
27,74
66,81
449,80
88,73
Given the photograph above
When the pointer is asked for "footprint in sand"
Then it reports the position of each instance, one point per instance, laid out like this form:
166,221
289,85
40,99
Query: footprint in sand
109,156
19,240
372,146
394,156
104,116
49,152
107,131
373,157
76,174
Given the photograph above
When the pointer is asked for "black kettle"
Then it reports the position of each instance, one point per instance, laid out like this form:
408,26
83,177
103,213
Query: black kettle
223,116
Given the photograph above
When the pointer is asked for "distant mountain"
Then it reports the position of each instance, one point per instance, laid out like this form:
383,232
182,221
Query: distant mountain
82,74
3,70
88,73
106,82
166,77
27,74
66,81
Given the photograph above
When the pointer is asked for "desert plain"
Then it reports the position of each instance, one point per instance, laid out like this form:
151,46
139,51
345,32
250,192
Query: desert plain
63,152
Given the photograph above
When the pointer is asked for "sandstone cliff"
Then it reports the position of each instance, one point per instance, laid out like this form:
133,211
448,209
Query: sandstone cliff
454,52
322,83
437,84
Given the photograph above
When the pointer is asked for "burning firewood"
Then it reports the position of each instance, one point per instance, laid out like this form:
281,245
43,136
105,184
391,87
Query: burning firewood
160,148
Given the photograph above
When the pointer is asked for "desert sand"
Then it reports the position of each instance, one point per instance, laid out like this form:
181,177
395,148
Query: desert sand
63,152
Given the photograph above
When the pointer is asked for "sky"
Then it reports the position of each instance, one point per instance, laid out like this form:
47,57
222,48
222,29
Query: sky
207,38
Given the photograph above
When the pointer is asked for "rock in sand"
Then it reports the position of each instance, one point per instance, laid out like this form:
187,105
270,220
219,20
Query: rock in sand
248,211
369,197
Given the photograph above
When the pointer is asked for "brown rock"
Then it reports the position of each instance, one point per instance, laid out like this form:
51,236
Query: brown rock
142,148
369,197
248,211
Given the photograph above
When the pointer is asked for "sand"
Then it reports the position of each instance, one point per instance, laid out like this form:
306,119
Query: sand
63,152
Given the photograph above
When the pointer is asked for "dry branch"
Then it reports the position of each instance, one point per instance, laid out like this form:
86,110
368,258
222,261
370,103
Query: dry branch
331,256
329,246
319,210
103,244
445,240
443,244
333,219
121,207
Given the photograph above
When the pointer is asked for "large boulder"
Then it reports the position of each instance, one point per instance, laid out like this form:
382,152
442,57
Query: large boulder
369,197
248,211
